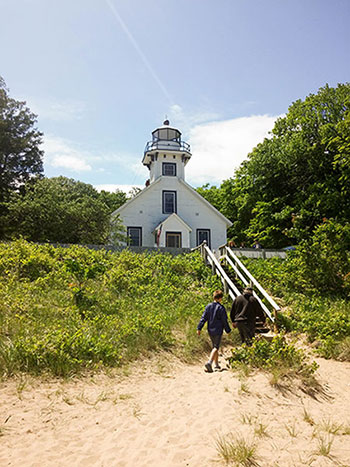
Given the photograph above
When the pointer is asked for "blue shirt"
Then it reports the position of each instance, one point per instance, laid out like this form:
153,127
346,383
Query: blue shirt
215,315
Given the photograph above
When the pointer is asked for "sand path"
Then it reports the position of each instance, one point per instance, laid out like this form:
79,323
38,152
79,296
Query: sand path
165,413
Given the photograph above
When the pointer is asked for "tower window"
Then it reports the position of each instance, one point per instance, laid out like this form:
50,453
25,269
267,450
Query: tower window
169,169
169,202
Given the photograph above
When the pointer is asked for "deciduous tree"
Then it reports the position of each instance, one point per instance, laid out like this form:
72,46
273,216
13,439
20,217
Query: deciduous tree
20,153
61,210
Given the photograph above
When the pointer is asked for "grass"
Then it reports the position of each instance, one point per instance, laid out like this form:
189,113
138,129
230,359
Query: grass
308,418
136,411
282,359
124,397
260,430
291,429
244,388
324,446
344,350
330,427
67,310
322,316
248,419
237,450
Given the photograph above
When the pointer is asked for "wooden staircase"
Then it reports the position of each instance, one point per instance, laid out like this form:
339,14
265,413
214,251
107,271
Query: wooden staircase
235,277
261,328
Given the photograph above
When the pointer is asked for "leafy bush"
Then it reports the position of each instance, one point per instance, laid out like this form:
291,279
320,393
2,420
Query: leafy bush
322,263
273,355
66,309
313,286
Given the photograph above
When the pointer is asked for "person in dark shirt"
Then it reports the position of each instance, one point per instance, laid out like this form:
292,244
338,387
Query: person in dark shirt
216,317
245,309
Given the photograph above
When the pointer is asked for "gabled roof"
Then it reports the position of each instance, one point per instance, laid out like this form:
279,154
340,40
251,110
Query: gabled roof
193,191
188,187
149,187
178,219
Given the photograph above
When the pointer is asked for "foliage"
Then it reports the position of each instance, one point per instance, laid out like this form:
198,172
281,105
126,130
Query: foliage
211,194
20,156
113,200
63,210
294,179
66,309
236,450
322,262
313,284
117,231
272,355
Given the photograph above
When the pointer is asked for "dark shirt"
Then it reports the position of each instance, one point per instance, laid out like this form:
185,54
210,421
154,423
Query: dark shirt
246,308
215,315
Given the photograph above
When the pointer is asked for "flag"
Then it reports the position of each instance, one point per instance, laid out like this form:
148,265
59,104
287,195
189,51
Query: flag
159,231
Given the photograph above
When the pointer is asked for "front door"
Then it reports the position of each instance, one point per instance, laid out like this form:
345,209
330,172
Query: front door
173,239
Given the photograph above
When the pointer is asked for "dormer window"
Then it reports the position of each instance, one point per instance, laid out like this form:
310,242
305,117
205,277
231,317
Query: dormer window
169,169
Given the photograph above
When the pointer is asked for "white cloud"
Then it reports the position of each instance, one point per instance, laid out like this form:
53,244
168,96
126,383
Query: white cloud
218,148
112,188
71,163
68,155
60,153
58,111
184,121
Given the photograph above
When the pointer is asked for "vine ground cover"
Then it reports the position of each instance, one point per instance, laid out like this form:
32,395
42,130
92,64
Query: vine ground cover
322,315
63,310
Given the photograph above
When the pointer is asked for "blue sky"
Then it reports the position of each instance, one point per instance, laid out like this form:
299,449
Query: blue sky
102,74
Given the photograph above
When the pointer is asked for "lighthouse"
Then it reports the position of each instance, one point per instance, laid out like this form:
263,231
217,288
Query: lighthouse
166,154
168,212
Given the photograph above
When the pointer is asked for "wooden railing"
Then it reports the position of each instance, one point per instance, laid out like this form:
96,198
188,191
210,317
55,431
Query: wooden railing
247,279
241,272
210,259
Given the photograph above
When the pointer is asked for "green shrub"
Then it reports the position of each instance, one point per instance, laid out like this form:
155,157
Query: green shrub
312,285
273,355
66,309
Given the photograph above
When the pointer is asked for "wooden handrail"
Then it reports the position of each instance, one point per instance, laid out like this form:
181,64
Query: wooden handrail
221,273
241,271
252,279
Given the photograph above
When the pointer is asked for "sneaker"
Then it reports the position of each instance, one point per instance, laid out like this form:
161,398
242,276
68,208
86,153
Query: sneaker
217,367
208,367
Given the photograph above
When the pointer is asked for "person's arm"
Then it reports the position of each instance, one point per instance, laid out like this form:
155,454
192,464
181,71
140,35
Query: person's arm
233,313
259,312
202,321
224,318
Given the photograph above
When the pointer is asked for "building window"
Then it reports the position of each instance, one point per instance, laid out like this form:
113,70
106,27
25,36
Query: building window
203,234
134,236
169,202
169,169
173,239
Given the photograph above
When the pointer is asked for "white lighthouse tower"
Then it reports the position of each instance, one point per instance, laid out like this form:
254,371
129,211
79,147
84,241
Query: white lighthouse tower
166,154
169,212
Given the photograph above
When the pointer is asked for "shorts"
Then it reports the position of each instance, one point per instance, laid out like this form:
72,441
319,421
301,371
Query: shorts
216,340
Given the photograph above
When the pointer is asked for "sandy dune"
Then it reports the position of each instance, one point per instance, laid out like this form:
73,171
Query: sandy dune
165,413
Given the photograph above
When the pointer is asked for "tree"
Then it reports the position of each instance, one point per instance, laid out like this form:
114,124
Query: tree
113,200
20,156
296,178
60,210
211,194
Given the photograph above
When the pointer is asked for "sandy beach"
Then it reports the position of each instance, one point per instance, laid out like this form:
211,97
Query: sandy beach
162,412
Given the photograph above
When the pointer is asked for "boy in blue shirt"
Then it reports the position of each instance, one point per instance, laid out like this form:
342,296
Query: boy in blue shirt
215,315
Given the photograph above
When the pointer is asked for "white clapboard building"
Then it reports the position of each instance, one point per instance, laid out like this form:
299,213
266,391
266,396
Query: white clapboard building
168,212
